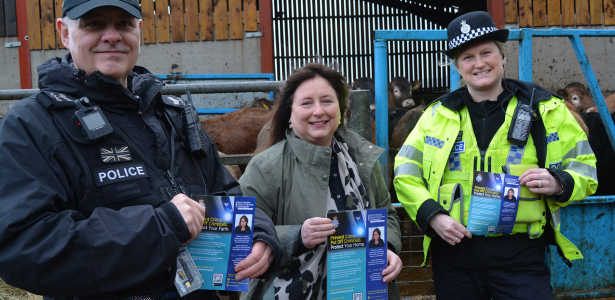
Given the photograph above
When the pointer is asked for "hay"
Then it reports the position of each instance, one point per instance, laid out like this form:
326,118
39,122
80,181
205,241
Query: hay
8,292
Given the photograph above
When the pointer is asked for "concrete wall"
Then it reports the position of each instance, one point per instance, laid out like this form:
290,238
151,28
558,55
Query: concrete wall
236,56
9,65
555,63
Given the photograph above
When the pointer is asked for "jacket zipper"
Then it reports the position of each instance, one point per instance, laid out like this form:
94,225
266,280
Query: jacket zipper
178,189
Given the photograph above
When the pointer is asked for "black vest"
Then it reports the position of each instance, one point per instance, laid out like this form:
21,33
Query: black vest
120,175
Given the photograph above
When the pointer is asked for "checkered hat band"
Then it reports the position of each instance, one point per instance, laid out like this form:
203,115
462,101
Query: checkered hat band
474,33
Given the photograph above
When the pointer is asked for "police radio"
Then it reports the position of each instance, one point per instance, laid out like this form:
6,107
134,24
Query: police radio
91,121
192,134
521,123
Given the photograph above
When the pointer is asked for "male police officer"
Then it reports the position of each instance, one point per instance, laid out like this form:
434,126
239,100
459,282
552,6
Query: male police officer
93,193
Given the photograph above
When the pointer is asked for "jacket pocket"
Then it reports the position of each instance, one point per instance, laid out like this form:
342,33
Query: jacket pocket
450,196
531,205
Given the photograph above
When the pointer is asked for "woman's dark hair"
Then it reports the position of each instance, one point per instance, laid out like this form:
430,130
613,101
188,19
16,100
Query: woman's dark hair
243,218
284,101
511,190
376,230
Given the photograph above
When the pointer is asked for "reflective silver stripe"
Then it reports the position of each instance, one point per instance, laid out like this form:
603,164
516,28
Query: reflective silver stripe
582,148
555,218
529,230
529,199
409,169
411,153
581,168
433,108
412,170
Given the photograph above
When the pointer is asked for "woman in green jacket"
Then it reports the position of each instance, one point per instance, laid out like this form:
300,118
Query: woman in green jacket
311,166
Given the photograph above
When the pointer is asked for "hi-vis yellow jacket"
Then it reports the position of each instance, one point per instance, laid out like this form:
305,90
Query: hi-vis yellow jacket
432,170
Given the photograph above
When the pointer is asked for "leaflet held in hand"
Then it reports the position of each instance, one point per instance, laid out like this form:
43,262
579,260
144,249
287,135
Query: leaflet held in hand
356,255
226,239
493,203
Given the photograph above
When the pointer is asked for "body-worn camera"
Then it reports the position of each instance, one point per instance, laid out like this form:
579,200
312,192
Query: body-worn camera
91,121
193,138
521,123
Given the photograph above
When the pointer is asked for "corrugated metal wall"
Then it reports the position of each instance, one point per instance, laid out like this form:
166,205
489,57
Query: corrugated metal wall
342,31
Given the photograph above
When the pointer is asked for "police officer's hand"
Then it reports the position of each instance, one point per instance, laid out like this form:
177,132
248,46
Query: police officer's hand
315,231
257,263
394,267
449,229
540,181
193,214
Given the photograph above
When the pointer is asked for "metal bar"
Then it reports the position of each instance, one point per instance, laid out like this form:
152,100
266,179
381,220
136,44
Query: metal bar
382,116
269,76
525,55
594,87
215,110
179,89
236,159
515,34
359,120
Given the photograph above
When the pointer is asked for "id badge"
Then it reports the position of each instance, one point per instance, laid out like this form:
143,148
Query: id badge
187,277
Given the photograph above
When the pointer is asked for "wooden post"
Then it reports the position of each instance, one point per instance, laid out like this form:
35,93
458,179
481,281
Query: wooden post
267,38
496,9
25,73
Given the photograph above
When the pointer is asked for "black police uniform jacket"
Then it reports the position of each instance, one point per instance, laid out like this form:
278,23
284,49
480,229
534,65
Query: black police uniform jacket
51,242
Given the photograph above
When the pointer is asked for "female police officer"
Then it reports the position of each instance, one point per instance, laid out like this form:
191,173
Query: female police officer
468,130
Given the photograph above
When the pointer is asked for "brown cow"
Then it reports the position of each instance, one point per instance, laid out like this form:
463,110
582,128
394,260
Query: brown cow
578,95
610,104
236,132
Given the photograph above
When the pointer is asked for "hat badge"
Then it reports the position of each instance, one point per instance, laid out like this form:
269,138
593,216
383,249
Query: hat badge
465,28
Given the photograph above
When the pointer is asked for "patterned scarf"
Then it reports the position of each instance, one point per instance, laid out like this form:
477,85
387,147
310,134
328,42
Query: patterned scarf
306,276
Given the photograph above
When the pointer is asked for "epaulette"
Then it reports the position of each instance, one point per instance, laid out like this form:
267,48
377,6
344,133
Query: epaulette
173,101
56,99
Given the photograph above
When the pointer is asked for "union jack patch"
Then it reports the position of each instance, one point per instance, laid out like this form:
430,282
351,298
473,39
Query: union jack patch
115,154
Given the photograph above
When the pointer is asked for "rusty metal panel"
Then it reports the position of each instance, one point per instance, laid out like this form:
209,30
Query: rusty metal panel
590,226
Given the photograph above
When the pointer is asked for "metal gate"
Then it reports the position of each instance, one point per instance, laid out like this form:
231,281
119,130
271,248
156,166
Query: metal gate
342,32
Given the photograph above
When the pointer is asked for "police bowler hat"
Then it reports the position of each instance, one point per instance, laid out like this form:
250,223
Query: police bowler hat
471,28
74,9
